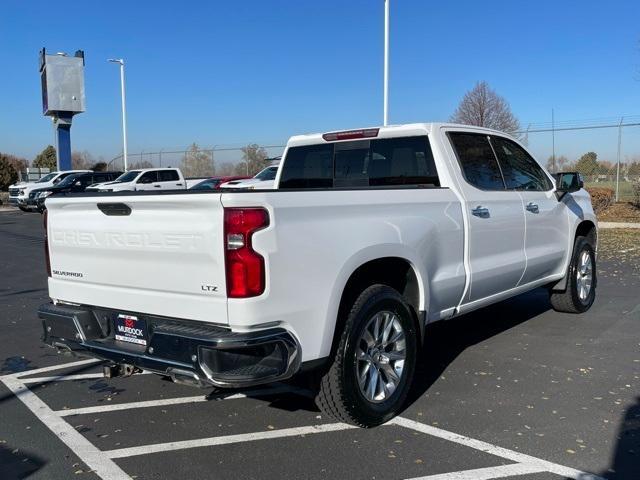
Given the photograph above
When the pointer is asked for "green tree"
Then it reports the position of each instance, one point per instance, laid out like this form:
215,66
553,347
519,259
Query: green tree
100,166
483,107
587,164
197,162
8,174
254,159
46,159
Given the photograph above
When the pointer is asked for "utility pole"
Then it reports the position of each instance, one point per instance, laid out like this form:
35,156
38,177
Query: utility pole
553,142
386,63
619,152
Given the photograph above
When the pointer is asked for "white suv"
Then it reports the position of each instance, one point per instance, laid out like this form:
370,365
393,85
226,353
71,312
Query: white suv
19,192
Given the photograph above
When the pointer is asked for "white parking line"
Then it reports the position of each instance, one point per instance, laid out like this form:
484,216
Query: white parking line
95,459
52,368
175,401
486,473
79,376
61,378
494,449
225,440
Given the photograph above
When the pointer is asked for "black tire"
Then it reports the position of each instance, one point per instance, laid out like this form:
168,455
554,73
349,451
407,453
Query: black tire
339,393
24,209
569,301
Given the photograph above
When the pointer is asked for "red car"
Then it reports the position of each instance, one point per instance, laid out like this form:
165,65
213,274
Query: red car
214,183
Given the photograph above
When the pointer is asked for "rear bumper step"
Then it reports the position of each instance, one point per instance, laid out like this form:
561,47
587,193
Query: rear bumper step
188,351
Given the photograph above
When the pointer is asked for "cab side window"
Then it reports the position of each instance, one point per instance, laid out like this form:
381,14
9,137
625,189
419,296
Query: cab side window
168,176
479,165
520,170
148,177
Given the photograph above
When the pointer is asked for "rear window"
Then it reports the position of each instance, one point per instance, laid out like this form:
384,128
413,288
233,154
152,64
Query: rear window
361,163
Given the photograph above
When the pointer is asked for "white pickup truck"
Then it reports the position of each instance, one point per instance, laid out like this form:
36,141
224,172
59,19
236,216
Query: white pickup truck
147,179
369,235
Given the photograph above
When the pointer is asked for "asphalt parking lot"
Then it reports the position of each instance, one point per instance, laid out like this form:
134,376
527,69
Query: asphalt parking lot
512,391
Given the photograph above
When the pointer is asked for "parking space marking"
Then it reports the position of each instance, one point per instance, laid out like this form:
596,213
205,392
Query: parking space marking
94,458
52,368
488,473
102,461
176,401
227,439
61,378
494,449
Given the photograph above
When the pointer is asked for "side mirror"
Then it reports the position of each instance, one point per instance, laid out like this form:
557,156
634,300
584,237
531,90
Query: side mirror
568,182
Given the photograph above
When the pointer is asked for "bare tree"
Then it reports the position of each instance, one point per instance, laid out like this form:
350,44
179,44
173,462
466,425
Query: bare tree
483,107
197,162
81,160
557,164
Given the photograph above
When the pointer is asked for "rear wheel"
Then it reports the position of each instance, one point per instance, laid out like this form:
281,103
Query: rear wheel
371,373
581,281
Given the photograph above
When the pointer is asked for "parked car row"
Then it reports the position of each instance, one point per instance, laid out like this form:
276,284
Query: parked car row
32,196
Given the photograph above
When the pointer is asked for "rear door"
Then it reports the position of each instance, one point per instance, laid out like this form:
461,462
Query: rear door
153,254
170,180
496,218
547,233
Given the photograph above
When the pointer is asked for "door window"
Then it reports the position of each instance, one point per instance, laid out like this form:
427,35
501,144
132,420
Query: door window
149,177
479,165
520,170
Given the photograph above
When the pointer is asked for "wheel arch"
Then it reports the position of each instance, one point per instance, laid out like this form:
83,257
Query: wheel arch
398,272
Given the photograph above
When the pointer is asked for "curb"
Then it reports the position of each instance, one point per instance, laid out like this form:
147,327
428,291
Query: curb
618,225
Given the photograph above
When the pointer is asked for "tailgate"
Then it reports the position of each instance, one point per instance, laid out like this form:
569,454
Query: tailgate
165,257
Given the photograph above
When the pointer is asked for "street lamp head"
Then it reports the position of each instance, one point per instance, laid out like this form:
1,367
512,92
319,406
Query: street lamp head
116,60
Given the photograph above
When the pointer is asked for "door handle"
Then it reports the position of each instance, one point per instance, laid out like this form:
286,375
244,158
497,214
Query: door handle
157,186
533,207
480,211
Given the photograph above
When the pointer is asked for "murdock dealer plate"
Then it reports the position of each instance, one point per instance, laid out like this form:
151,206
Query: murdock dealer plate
131,329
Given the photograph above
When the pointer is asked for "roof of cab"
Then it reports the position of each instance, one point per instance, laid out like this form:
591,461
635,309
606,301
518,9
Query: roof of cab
388,131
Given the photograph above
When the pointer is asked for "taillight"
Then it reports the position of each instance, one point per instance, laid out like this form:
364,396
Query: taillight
45,221
244,266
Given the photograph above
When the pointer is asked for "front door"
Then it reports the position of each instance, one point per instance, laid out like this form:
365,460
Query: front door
496,218
547,220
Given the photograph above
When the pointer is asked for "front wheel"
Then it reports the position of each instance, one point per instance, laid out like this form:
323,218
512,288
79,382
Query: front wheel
581,282
24,209
369,379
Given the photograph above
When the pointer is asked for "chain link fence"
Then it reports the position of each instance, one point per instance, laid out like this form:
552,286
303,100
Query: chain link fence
605,151
197,161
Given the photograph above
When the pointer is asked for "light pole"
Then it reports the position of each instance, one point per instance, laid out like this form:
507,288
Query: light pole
120,61
386,63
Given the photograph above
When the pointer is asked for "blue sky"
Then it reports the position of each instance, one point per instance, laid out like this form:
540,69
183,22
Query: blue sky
221,72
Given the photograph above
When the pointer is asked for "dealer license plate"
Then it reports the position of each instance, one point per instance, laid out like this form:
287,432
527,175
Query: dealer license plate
131,329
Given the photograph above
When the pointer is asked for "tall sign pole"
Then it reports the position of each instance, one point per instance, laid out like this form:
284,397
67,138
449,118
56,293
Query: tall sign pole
386,63
62,79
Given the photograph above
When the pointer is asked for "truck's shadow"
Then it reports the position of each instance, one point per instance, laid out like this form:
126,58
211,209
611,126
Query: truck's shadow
625,464
445,340
16,464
